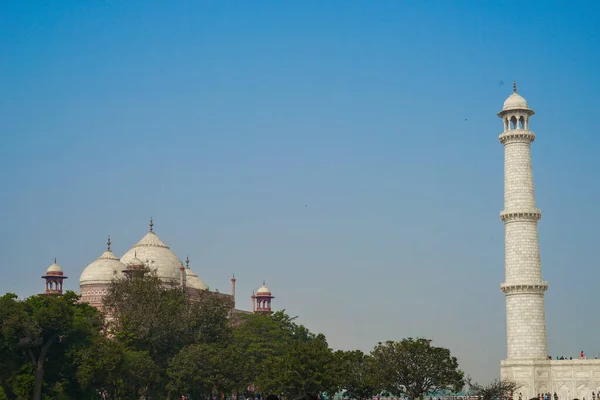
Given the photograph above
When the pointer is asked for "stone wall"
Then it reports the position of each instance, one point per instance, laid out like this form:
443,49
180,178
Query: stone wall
570,379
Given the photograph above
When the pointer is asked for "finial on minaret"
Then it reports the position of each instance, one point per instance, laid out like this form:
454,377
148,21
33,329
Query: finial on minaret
108,243
515,86
54,260
187,261
151,225
264,284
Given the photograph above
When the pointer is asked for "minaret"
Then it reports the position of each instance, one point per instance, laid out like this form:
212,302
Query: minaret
523,286
182,276
54,279
233,280
263,299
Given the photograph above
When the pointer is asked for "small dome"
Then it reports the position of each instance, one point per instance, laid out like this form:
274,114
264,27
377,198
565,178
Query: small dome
135,262
263,290
192,280
54,268
515,101
103,270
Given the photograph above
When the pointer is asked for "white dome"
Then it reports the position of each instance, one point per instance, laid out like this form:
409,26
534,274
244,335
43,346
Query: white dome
103,270
515,102
155,255
54,268
192,280
263,290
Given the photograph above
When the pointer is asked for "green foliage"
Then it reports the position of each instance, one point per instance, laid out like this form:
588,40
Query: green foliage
37,337
202,369
356,374
413,367
157,343
306,368
256,339
110,368
280,356
161,324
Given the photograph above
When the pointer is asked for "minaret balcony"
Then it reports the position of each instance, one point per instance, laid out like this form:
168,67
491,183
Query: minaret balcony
516,136
511,216
524,288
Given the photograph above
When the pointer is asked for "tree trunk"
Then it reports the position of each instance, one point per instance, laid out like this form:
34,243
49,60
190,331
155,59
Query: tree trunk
39,379
39,370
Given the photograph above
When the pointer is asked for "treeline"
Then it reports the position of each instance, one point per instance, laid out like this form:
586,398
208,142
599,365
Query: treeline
157,344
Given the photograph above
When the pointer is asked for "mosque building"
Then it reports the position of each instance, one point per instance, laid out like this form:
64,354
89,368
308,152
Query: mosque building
528,362
152,253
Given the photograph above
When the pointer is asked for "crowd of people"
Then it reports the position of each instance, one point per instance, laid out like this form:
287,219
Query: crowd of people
581,357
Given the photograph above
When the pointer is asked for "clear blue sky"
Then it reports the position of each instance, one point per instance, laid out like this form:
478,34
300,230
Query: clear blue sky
345,151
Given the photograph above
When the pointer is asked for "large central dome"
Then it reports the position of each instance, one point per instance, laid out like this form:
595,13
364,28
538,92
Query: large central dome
155,255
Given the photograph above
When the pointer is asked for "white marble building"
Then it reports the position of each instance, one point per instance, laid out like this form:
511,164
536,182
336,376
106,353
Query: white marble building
527,355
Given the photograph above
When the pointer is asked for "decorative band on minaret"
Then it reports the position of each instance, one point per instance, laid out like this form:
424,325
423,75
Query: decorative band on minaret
523,286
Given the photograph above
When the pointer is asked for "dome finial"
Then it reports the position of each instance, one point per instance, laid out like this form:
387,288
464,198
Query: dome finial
54,260
264,284
108,243
515,86
187,261
151,225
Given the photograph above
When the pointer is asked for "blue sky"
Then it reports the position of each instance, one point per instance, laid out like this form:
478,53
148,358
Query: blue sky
345,151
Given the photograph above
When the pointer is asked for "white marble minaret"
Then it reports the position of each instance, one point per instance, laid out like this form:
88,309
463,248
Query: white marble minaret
523,285
527,361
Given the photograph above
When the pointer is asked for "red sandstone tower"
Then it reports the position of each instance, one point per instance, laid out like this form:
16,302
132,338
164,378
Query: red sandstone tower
261,301
54,279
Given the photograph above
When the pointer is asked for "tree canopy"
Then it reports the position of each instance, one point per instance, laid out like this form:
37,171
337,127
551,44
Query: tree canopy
413,367
38,338
158,343
356,374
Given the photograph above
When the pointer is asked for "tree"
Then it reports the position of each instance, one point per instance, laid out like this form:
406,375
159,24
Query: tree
413,367
305,368
277,355
496,390
110,369
355,374
202,369
149,317
39,331
256,339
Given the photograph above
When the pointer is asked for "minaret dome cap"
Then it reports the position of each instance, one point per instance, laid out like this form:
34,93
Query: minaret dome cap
515,102
263,290
55,268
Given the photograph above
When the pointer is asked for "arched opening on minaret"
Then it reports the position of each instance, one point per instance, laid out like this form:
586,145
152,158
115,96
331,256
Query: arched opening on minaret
522,122
505,124
513,122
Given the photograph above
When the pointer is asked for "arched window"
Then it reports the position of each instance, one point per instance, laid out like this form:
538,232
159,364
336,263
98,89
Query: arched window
513,122
505,124
522,123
